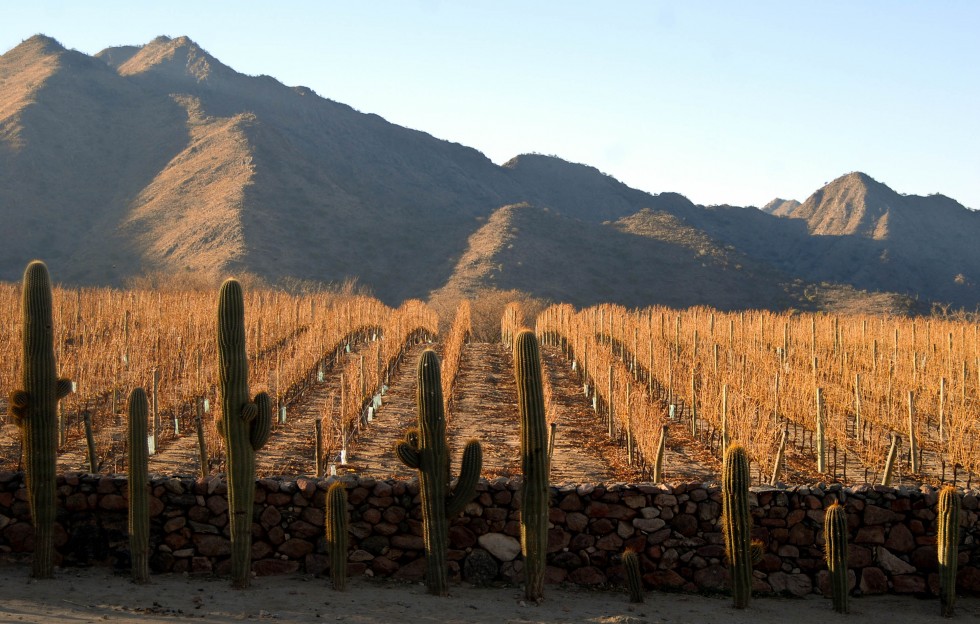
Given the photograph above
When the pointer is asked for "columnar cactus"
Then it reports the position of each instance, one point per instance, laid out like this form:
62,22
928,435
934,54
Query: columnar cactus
534,463
139,487
634,579
425,449
337,521
835,538
244,426
948,546
737,523
34,408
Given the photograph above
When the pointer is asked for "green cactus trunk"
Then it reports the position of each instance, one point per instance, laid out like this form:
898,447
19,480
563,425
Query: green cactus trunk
139,487
425,450
337,521
534,463
737,523
634,579
244,426
948,547
34,408
835,538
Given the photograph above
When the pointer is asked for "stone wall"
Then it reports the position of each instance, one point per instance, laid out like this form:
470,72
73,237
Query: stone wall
675,527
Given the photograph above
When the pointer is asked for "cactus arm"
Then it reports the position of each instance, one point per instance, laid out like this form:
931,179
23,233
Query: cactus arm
408,454
18,402
262,425
64,388
469,476
249,412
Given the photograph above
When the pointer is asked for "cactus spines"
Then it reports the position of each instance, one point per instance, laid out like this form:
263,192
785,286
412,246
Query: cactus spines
425,450
634,580
139,486
835,539
244,426
337,521
737,523
534,462
34,408
948,546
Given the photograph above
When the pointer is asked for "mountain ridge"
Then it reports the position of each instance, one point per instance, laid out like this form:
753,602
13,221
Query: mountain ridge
160,158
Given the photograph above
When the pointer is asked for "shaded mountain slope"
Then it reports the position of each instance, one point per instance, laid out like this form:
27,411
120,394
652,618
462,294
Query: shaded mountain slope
80,148
866,234
531,249
162,158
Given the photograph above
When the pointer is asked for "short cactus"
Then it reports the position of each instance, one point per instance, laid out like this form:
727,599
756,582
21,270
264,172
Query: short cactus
425,450
139,487
534,463
244,426
737,523
34,408
337,521
634,579
948,547
835,539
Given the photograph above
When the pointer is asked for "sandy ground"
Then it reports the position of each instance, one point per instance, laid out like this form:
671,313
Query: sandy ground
96,595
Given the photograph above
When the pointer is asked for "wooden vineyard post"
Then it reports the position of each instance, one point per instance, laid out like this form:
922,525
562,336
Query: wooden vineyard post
821,446
93,462
858,430
202,446
658,464
942,409
155,406
778,465
886,478
630,456
317,447
609,402
694,404
724,418
913,439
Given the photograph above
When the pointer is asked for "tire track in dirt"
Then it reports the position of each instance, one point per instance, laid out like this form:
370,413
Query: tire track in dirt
485,409
582,453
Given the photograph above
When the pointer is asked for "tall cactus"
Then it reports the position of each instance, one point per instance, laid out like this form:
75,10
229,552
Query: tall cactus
425,449
139,487
534,463
835,539
34,408
948,546
244,426
737,523
337,522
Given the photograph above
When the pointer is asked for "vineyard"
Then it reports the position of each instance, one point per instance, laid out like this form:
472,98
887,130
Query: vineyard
630,395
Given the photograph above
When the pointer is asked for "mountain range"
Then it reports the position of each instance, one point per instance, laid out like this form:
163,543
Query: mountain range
159,159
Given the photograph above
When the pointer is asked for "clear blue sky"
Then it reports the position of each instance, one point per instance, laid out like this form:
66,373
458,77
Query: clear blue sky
725,102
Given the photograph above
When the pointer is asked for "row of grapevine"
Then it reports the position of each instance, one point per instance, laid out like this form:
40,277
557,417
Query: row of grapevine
631,411
109,340
865,378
